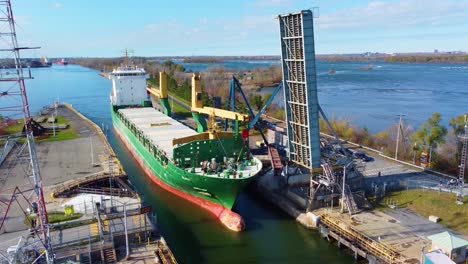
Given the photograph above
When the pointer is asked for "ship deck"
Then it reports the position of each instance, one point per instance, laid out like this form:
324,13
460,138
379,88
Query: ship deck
159,128
246,172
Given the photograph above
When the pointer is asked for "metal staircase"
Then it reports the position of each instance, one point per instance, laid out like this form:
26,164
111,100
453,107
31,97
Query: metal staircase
461,173
109,255
349,200
275,159
85,258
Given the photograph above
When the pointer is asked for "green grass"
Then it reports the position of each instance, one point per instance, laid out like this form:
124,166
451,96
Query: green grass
179,110
13,129
74,224
428,202
65,134
57,217
62,120
187,102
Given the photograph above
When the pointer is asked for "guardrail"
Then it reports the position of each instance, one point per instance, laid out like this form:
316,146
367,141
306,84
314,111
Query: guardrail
57,190
357,238
10,143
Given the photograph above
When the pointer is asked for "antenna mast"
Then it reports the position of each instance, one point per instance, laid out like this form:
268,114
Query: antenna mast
12,86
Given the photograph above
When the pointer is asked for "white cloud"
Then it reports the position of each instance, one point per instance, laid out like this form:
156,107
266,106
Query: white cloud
22,20
56,5
396,14
273,3
164,29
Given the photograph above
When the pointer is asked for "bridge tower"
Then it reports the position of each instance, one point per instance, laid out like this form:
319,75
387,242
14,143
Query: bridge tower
300,87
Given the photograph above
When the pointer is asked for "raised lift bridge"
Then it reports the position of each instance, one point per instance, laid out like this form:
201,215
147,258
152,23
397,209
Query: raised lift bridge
300,88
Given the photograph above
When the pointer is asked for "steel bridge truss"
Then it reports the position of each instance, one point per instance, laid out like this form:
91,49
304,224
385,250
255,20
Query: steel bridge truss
300,87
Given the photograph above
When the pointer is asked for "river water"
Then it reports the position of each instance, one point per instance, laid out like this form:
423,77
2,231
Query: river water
369,97
374,98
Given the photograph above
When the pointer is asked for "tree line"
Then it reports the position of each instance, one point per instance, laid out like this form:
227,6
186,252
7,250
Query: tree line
429,58
443,143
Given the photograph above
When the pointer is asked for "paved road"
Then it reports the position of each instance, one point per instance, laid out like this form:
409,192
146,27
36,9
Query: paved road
181,103
412,175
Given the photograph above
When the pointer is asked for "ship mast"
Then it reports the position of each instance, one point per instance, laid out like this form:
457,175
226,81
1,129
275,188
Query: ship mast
126,58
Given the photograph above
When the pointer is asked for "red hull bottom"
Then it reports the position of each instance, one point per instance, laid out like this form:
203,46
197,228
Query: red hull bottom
231,220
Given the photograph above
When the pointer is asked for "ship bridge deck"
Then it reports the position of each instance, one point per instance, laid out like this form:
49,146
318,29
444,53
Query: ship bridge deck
159,128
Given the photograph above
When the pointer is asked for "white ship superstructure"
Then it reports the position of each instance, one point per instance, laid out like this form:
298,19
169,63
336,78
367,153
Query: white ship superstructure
128,86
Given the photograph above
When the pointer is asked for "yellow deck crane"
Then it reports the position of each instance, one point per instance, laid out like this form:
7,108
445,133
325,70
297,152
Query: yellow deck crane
210,130
161,93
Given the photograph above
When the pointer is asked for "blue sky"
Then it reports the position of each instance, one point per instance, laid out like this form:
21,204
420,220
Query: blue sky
103,28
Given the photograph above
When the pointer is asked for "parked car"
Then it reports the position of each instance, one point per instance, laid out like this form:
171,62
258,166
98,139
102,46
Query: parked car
346,151
363,156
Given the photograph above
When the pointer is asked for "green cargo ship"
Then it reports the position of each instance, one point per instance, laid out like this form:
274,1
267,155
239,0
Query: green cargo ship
208,169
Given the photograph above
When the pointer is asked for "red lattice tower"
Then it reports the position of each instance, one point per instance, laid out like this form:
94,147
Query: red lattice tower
14,105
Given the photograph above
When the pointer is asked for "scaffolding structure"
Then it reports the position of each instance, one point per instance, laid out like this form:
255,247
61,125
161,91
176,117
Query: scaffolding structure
14,105
300,87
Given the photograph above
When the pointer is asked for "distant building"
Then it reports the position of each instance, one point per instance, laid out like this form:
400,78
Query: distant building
436,51
453,246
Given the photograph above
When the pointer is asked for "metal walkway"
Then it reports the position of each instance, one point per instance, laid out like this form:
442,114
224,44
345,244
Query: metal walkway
357,241
275,159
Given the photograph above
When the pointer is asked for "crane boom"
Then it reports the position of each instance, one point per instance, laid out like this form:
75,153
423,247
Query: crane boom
267,103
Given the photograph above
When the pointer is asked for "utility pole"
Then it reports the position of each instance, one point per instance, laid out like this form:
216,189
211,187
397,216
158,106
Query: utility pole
430,156
343,189
92,150
398,135
53,124
126,232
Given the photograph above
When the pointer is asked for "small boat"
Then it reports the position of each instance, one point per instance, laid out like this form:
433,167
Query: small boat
62,62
